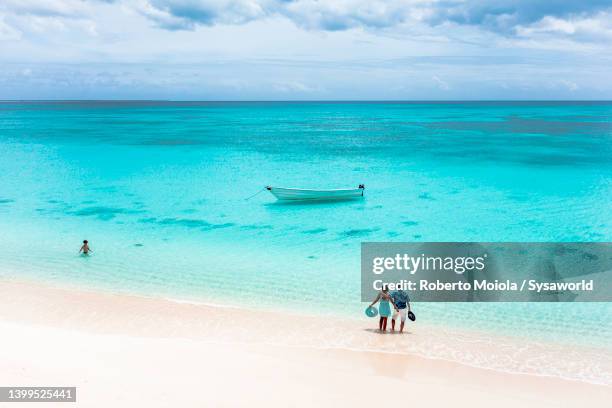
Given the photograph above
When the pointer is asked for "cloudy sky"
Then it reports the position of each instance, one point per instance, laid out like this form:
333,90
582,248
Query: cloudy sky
305,49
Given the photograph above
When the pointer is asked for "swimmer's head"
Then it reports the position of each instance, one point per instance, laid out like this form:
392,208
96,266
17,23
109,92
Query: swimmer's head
84,241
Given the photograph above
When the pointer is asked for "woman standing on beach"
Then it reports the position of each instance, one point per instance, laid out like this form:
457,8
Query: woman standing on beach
384,309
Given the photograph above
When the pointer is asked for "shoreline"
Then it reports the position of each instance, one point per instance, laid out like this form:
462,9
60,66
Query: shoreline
211,355
104,313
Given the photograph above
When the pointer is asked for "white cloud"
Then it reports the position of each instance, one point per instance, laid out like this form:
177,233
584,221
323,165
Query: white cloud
396,49
162,17
187,14
501,16
548,25
595,28
45,8
571,86
8,33
295,86
442,85
345,14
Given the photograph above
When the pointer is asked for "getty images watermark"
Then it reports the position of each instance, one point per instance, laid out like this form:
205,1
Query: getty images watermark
489,271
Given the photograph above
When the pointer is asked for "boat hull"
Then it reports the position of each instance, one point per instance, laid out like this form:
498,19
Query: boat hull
298,194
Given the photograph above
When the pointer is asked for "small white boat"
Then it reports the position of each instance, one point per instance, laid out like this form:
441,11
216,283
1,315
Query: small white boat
300,194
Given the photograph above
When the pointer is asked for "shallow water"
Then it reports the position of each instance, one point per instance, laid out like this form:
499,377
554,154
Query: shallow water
160,190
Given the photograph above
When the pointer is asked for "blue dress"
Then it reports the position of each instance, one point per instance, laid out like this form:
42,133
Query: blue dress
385,308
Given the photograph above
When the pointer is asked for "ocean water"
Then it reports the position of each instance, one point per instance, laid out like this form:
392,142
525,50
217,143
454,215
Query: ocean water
160,190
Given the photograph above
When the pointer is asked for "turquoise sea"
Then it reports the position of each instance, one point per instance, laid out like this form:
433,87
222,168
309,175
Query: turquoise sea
159,189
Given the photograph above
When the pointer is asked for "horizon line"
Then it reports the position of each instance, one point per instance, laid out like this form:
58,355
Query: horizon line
305,100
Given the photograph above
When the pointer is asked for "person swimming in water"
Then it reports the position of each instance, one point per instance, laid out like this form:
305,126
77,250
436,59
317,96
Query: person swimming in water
85,248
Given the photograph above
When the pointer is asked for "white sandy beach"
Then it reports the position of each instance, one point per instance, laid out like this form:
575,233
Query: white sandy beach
126,351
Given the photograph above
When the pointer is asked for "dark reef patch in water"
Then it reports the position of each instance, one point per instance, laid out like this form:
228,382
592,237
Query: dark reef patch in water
410,223
426,196
170,142
138,245
186,222
314,231
6,200
417,236
587,256
224,225
150,220
102,213
518,125
535,141
256,227
105,189
561,249
358,232
393,234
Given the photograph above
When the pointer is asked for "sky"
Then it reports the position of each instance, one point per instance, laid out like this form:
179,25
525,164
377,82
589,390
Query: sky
306,49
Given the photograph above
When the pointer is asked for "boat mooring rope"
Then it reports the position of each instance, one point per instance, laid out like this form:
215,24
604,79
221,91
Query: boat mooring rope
248,198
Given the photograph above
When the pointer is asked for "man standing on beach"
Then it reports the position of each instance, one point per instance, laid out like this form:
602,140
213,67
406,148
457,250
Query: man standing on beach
402,302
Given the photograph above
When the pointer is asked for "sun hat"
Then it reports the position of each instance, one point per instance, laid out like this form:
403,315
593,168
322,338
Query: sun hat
371,311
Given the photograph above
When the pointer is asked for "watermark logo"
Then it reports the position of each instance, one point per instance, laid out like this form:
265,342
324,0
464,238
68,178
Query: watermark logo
489,271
